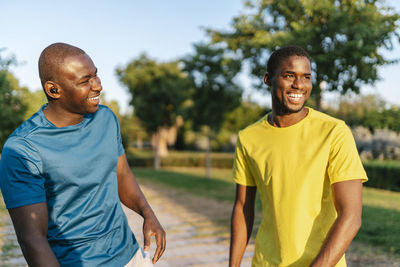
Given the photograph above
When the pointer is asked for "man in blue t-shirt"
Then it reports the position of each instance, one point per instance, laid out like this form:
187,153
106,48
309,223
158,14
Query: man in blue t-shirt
63,174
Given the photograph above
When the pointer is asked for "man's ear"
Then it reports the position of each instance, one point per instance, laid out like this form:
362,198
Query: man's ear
267,78
52,89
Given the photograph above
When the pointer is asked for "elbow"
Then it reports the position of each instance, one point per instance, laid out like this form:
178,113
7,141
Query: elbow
357,224
351,221
355,227
30,242
354,224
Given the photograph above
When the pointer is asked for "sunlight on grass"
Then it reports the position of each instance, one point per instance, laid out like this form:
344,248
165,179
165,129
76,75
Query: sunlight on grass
381,208
381,198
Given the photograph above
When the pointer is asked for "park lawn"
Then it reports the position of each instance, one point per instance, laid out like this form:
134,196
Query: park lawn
380,229
149,153
191,180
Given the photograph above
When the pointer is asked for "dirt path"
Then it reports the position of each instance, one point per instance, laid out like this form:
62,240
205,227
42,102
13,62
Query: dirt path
193,237
197,233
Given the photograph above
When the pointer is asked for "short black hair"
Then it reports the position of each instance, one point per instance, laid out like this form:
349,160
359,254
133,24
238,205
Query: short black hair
52,58
282,54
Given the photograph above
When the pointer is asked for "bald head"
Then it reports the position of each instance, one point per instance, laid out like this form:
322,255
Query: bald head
52,58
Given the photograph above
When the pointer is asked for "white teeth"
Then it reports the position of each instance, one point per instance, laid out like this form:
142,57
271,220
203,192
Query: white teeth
295,95
94,98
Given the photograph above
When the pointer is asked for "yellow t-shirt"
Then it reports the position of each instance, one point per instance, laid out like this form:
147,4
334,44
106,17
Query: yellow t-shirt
293,169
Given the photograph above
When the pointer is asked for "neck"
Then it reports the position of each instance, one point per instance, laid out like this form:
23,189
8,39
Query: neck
60,117
286,120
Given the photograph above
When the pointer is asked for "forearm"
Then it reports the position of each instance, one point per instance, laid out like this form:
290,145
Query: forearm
38,252
241,228
132,196
129,191
338,239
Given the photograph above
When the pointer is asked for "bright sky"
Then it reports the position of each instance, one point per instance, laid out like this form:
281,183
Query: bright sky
115,32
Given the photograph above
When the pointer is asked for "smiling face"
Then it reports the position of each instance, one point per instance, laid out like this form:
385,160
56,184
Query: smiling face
79,85
290,85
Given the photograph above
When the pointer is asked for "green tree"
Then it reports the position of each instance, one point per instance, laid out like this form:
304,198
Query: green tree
345,38
369,111
32,100
131,126
12,109
212,71
244,115
159,92
354,110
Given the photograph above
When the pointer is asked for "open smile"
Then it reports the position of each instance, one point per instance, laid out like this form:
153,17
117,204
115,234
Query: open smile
295,98
94,99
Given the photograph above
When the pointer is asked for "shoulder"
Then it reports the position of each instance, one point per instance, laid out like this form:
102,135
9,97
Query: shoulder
104,110
18,146
105,114
320,119
253,129
336,130
19,151
28,127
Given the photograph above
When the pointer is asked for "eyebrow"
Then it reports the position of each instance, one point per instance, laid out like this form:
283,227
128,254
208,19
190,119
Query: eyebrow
88,76
292,72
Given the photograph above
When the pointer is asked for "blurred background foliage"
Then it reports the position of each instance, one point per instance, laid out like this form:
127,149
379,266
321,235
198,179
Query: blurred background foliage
196,102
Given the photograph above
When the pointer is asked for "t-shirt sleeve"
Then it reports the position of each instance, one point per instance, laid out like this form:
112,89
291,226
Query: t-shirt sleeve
20,179
121,149
241,169
344,162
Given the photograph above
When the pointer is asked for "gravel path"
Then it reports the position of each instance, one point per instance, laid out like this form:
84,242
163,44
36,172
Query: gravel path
197,233
192,238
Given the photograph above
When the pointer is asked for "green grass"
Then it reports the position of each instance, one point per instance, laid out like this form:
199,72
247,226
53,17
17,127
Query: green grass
390,163
381,217
381,208
191,182
179,154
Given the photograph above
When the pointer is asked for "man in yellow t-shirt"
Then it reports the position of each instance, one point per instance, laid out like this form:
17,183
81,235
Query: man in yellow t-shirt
306,167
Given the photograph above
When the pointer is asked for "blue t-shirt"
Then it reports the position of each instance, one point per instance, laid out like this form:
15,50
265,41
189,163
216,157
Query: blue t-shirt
74,170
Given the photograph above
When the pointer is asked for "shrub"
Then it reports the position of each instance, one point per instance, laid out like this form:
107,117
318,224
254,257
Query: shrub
381,174
191,160
384,175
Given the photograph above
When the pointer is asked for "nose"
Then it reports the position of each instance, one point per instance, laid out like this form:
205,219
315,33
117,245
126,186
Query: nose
95,84
298,83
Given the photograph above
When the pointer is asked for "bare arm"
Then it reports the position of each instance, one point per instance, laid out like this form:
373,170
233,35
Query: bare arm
31,225
347,196
241,222
132,197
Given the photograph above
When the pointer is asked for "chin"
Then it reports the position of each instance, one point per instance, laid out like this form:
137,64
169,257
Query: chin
295,109
92,110
284,108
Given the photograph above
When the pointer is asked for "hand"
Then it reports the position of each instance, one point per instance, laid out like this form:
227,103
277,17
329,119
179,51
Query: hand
152,227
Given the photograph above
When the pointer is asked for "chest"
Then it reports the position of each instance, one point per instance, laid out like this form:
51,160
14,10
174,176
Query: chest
80,158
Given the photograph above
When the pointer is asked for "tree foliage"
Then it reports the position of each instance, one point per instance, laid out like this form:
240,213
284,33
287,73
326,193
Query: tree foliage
242,116
32,100
11,106
369,111
158,91
344,38
131,126
212,72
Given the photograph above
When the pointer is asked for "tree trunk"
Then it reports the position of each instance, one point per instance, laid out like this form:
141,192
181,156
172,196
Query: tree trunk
163,142
319,89
208,157
157,162
318,99
139,143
